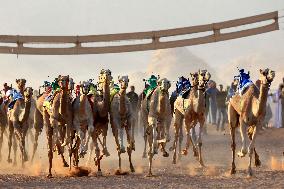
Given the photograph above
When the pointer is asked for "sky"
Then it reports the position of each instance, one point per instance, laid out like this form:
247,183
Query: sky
88,17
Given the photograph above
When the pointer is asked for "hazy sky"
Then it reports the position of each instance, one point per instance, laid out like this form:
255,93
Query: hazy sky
85,17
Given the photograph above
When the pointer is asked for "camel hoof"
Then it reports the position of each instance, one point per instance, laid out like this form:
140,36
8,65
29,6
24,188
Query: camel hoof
165,154
195,153
49,175
241,154
174,161
132,169
257,163
99,173
184,152
106,153
171,149
122,150
144,155
149,175
250,172
65,164
233,171
202,164
9,160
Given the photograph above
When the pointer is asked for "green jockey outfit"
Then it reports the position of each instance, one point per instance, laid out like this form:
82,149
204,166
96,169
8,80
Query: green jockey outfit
152,82
114,90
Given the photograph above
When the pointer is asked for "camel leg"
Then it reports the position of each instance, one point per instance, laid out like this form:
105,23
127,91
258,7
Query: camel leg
37,133
91,152
10,138
233,147
61,130
150,138
50,150
178,129
201,124
245,139
162,137
251,149
122,148
257,161
129,147
188,128
98,156
114,127
145,140
2,129
15,148
21,139
38,125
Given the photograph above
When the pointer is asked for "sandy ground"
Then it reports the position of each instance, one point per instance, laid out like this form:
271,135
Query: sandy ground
185,174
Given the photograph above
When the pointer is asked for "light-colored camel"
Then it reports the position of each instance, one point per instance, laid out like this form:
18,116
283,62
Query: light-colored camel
192,110
3,123
83,120
101,106
121,118
180,105
18,119
248,110
159,120
57,120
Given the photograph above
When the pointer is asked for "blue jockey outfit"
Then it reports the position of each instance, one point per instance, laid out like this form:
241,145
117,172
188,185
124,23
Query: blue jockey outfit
183,87
15,95
244,81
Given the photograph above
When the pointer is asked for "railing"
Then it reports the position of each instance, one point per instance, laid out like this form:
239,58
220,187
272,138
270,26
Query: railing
78,42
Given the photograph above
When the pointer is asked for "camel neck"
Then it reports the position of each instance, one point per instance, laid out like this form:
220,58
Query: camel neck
262,98
122,104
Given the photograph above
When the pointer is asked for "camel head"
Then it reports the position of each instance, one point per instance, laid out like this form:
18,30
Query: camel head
63,81
194,78
266,76
28,92
164,84
85,87
71,84
105,76
21,84
123,80
203,77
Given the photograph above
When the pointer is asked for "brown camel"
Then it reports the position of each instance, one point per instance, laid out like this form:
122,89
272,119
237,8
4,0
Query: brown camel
248,110
101,106
192,110
57,119
121,118
18,118
159,120
37,116
83,120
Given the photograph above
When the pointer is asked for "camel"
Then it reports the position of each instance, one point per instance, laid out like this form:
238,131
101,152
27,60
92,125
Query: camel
38,110
55,119
192,110
248,111
83,116
3,122
18,117
121,118
159,120
101,106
